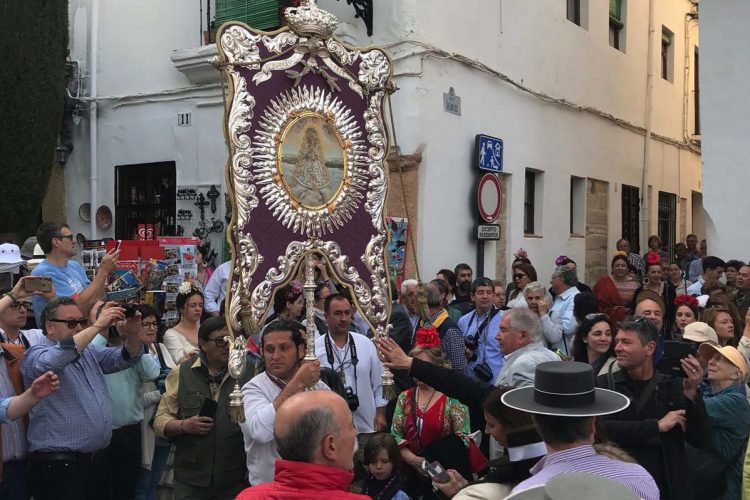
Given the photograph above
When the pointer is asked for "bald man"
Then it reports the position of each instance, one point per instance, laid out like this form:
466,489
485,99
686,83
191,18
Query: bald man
316,440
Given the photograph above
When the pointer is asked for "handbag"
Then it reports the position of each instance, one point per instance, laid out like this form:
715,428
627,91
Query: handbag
708,470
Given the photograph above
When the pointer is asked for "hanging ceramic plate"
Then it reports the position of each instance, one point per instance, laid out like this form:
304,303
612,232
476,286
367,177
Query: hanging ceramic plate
84,212
103,217
81,239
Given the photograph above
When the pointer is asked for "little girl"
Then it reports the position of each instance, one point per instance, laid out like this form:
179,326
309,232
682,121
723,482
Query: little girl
382,459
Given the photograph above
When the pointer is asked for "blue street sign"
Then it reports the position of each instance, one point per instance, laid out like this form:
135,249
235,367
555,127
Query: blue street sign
489,153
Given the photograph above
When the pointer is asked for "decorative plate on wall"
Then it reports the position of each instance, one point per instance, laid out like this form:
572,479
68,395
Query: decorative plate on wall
103,217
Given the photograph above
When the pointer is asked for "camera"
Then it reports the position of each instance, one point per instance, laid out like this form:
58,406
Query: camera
352,400
471,344
130,311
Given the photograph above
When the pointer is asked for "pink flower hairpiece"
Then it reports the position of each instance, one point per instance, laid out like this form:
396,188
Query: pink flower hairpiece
561,260
294,291
521,253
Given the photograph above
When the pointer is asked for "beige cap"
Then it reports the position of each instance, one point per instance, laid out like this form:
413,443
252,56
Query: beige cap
698,331
730,353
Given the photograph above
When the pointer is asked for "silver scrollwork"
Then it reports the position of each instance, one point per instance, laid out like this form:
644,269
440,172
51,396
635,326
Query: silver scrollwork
240,47
277,43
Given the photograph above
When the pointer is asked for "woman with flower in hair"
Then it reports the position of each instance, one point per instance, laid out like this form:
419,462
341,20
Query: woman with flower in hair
182,339
523,274
615,292
288,303
428,425
686,312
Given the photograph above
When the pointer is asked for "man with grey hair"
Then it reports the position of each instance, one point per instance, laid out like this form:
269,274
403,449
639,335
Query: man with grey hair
316,439
451,338
521,341
559,324
408,298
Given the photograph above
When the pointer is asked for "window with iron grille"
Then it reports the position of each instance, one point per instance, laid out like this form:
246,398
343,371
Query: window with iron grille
631,210
667,220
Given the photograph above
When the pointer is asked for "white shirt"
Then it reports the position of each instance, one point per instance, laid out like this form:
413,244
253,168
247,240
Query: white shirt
216,288
695,288
368,387
257,397
559,324
177,345
33,337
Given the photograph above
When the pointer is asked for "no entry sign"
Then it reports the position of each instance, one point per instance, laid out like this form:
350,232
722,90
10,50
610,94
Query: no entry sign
489,197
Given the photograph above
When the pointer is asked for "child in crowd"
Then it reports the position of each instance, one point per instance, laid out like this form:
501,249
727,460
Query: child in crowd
382,460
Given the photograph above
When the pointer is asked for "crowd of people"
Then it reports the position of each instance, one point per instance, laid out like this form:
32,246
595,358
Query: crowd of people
640,379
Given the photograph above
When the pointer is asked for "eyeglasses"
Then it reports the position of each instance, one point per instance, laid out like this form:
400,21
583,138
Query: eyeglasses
71,323
596,316
519,276
63,236
18,305
150,324
219,341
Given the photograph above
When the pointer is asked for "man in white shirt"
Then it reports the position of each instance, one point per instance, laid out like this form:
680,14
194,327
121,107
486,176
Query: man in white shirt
283,349
216,289
559,324
713,268
354,357
13,313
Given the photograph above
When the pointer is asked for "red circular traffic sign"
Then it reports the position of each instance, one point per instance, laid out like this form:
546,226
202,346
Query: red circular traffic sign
489,197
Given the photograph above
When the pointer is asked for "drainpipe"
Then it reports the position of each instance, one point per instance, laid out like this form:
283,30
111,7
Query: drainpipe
93,67
645,201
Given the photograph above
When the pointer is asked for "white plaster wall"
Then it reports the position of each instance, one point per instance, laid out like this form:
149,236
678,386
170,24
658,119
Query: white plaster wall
533,43
530,42
725,108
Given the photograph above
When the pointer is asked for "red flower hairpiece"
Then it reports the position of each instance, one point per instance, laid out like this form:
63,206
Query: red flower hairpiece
427,336
653,259
686,300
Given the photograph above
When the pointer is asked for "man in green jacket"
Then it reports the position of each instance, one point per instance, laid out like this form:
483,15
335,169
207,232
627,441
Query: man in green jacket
209,451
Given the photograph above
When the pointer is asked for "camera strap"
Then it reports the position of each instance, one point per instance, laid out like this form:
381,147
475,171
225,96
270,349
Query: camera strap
352,356
480,333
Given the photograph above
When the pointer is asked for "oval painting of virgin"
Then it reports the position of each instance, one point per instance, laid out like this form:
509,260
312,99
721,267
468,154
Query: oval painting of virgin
312,161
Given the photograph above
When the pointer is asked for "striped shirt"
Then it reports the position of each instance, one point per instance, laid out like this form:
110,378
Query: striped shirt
586,459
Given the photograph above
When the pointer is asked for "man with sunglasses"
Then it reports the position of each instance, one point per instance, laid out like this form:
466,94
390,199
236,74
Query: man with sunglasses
13,343
665,413
209,457
69,427
68,277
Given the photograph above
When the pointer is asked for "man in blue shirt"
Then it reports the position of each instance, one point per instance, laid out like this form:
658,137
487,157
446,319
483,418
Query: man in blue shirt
68,427
559,324
479,327
68,277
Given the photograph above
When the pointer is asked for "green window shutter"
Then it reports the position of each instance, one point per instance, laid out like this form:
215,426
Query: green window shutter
615,14
258,14
666,39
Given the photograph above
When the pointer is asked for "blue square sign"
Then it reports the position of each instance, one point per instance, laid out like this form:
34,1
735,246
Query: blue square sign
489,153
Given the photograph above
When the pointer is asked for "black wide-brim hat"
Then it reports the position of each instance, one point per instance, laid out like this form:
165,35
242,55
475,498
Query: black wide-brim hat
565,389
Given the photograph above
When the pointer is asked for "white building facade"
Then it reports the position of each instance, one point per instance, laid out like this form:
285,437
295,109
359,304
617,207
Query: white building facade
565,84
726,129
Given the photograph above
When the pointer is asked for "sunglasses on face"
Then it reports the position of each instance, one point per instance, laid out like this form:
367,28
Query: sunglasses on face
63,236
71,323
519,276
18,305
